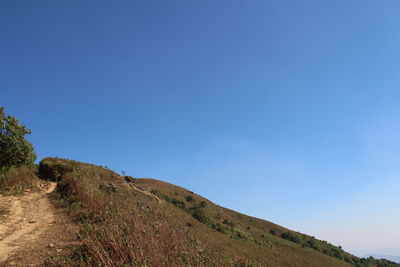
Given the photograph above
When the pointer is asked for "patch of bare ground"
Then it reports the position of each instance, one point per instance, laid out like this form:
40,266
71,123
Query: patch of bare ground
32,230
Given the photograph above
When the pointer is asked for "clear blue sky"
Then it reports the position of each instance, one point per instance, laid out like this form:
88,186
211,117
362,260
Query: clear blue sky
284,110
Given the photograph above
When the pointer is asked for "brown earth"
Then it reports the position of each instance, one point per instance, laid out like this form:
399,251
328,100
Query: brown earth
32,230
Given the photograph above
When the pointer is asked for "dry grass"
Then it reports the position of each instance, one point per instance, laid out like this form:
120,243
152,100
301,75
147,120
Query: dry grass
120,226
145,222
16,180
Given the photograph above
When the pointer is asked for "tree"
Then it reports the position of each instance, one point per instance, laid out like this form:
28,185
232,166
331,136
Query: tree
15,150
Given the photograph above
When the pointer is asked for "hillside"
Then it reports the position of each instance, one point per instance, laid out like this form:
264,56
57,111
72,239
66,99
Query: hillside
124,221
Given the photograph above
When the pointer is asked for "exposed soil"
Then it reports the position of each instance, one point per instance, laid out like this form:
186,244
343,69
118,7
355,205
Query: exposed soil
32,230
145,192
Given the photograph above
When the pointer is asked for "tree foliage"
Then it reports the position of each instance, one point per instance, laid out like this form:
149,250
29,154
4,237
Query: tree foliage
15,149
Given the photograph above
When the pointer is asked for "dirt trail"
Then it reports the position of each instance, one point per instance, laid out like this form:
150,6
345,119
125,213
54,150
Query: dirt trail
146,193
24,219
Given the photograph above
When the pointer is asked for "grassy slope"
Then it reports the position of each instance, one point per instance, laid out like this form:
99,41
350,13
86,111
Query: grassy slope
248,237
145,222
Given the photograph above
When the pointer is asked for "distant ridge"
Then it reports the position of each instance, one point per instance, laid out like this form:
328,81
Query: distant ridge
383,256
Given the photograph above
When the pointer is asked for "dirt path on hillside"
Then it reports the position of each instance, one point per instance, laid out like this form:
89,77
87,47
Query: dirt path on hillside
27,222
146,193
26,217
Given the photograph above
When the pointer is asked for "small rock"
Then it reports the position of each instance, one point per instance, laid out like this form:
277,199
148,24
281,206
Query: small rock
31,221
58,250
143,206
51,245
5,216
12,263
27,190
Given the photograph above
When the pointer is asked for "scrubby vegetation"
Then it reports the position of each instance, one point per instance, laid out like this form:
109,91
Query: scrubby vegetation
144,222
18,179
119,226
195,210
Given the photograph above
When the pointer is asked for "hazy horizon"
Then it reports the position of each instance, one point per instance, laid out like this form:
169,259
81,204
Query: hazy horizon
283,110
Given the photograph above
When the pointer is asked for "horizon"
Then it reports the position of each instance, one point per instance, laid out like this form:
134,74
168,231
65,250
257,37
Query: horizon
281,110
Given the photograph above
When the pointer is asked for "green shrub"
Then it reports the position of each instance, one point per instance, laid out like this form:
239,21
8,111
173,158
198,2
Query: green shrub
15,149
110,188
242,235
312,244
291,237
178,203
174,201
203,204
272,232
217,227
54,169
229,223
190,199
199,215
